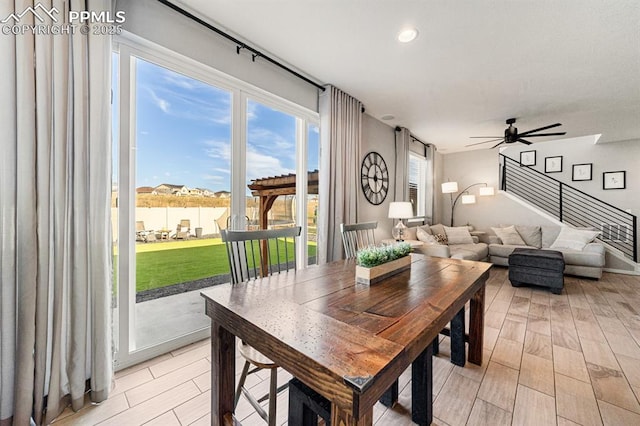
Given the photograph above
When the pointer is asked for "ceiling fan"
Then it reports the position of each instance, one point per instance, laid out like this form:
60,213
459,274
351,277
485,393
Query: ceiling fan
511,134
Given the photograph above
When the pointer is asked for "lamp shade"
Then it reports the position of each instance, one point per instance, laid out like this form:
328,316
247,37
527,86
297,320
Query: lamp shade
449,187
400,210
468,199
487,190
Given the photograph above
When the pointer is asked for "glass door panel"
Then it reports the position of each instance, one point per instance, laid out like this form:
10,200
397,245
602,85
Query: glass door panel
182,199
313,167
270,167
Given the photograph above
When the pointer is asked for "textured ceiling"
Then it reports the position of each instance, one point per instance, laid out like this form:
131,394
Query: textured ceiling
473,65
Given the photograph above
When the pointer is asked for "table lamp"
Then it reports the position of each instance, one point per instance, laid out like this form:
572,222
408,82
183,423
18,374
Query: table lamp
400,210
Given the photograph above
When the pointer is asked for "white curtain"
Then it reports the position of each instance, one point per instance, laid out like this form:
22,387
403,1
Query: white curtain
403,142
340,137
55,195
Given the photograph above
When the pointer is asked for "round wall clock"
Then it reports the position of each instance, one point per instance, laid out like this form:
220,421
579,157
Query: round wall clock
374,177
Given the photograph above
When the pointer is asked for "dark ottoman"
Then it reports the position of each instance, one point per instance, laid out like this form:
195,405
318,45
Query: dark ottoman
538,267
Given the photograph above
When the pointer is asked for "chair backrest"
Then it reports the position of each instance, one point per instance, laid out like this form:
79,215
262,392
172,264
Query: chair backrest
185,223
260,253
357,236
140,226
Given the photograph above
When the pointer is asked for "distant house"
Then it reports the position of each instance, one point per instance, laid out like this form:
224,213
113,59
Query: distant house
197,192
144,190
170,189
222,194
206,192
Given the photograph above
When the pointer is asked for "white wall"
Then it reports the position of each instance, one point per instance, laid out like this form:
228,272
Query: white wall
155,22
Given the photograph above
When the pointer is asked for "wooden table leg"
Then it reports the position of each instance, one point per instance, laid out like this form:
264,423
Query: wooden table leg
339,417
390,397
223,373
457,339
476,326
422,388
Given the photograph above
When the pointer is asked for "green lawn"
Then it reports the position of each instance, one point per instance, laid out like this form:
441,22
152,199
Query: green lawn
167,265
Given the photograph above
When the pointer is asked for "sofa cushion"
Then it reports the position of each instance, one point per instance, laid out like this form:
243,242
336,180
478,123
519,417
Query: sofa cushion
549,235
426,236
574,239
438,229
504,250
531,234
583,258
410,233
509,236
478,251
458,235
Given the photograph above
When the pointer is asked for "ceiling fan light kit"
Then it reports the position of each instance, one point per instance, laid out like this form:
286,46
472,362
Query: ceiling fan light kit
511,134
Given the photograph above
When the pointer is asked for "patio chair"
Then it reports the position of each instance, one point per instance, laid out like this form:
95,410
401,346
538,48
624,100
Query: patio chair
183,230
357,236
254,254
143,234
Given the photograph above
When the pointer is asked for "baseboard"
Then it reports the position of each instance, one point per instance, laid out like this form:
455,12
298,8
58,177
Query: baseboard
621,271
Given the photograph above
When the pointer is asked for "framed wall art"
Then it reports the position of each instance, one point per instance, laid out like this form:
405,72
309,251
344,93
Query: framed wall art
614,180
528,158
553,164
581,172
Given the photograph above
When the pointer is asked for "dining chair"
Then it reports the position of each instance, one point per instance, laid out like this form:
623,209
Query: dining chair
254,254
356,236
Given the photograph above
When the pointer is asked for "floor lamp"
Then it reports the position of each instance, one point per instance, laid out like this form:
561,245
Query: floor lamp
466,198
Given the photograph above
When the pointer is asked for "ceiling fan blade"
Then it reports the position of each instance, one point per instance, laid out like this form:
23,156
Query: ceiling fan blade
541,128
498,144
484,137
545,134
479,143
523,141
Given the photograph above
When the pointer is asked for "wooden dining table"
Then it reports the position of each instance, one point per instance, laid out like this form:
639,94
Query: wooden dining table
347,341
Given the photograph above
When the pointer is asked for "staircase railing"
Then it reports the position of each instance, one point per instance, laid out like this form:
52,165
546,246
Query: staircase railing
570,205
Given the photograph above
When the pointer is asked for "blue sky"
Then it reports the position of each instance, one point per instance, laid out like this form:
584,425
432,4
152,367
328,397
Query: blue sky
183,133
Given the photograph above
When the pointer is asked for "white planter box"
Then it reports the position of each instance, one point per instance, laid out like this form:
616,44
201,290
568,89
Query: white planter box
380,272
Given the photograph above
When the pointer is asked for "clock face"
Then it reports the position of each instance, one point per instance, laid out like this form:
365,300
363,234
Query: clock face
374,178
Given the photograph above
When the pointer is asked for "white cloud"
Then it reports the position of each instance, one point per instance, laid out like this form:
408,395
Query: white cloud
263,165
160,103
259,165
215,178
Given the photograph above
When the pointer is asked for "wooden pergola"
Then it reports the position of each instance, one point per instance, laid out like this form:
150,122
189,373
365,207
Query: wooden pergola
270,188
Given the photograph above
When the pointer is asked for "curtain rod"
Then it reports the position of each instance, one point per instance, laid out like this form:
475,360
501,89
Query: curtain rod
240,45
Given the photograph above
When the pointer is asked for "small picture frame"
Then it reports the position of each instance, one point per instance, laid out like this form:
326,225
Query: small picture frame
528,158
553,164
614,180
581,172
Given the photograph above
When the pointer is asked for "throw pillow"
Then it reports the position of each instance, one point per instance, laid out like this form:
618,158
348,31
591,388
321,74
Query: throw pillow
426,237
458,235
437,229
532,235
509,236
574,239
441,239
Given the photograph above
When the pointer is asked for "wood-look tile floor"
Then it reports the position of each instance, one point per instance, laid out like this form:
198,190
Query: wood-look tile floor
550,359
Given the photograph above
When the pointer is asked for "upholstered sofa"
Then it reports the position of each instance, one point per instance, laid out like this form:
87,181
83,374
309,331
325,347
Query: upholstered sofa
458,244
587,261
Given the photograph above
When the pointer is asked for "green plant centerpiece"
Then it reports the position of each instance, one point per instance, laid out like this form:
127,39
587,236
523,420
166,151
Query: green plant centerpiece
378,263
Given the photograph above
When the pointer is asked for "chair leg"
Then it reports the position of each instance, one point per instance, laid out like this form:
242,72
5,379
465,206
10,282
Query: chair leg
273,395
243,377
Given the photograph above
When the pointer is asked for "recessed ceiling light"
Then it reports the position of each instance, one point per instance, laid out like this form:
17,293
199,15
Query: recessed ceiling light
407,35
387,117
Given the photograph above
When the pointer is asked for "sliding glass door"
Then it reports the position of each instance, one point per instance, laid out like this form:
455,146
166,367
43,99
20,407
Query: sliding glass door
190,144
